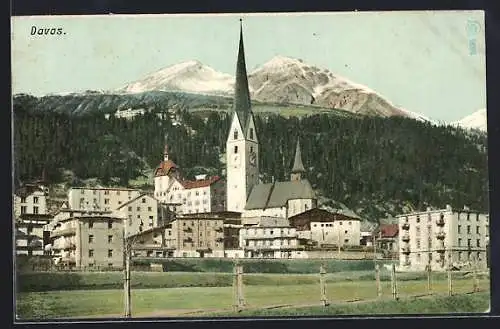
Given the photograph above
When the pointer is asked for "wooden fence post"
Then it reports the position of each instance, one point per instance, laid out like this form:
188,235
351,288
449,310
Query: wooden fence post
429,282
238,287
394,282
322,283
450,286
377,280
474,276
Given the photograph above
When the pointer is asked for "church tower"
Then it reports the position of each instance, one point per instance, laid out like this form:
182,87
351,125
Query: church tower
298,167
242,146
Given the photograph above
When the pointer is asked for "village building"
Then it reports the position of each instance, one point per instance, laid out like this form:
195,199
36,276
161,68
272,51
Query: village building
157,242
244,192
100,198
272,237
30,199
85,241
202,195
386,238
442,238
327,229
30,236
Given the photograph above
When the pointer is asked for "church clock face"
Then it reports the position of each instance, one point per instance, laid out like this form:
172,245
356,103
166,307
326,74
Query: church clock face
236,160
253,159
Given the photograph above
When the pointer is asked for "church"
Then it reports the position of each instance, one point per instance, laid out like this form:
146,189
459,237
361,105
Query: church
245,194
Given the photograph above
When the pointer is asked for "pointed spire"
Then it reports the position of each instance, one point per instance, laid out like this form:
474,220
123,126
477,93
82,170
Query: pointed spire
241,104
298,166
165,153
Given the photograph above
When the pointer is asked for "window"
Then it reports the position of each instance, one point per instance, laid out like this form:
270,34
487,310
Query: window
110,253
23,199
106,201
35,199
418,219
110,224
117,192
138,208
418,243
477,229
138,216
235,149
350,223
143,200
251,133
151,209
340,223
35,210
91,253
418,230
468,243
106,192
346,241
129,208
91,238
23,209
235,134
459,229
418,257
94,192
468,216
460,256
478,243
345,232
251,148
322,225
110,238
119,202
468,229
91,223
477,217
459,242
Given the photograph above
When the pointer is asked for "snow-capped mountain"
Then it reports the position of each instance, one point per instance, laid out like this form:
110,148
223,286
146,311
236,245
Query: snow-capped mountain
280,80
190,76
476,120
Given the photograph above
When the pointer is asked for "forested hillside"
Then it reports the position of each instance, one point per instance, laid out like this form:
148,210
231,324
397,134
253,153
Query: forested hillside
375,166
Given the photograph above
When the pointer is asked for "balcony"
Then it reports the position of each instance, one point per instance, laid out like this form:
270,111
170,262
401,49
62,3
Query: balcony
63,232
405,250
406,226
440,235
219,229
405,237
219,240
188,230
441,248
440,222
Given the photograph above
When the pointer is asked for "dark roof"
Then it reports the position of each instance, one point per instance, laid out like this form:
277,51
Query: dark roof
216,214
277,194
323,215
387,231
298,166
28,189
136,198
242,104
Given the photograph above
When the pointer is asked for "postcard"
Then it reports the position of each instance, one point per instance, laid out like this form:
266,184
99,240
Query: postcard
262,165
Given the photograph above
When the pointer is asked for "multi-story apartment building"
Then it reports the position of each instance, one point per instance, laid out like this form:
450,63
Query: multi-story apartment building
31,237
30,199
158,242
444,237
100,198
328,228
143,210
88,240
272,237
202,195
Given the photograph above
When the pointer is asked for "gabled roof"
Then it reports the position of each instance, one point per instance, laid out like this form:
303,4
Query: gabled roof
387,231
322,215
28,189
189,184
277,194
165,168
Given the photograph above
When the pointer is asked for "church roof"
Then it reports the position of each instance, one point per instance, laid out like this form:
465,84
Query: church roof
242,105
298,166
277,194
164,168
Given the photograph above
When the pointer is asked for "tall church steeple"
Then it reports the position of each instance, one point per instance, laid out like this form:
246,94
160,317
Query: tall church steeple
298,167
242,146
241,105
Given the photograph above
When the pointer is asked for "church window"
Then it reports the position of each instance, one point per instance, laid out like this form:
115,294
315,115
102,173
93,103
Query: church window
251,133
235,134
235,149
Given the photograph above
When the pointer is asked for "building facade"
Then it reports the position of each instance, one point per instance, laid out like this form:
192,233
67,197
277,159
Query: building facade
100,198
31,237
442,238
326,228
386,238
142,212
30,199
202,195
88,241
272,237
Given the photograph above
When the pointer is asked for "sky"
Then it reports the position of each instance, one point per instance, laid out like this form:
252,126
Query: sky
420,61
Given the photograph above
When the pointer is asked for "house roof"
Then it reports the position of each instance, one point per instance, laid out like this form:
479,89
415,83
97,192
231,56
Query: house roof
189,184
277,194
387,230
323,215
28,189
165,167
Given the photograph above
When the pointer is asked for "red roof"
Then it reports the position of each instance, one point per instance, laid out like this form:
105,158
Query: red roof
165,167
387,231
189,184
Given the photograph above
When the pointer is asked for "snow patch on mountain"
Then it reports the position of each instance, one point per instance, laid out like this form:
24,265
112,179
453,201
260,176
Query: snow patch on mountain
476,120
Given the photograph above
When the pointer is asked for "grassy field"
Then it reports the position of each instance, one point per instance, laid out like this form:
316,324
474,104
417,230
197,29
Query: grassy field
187,301
53,281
